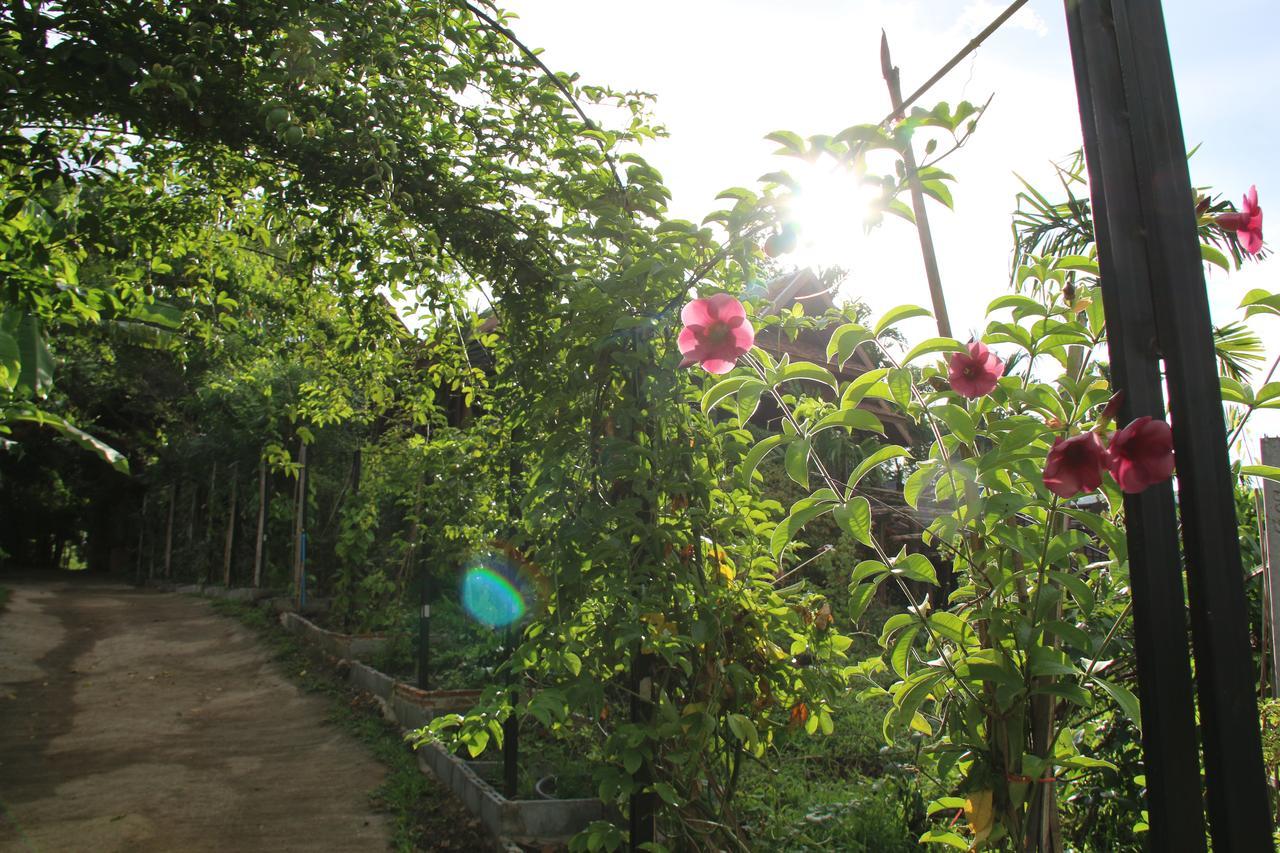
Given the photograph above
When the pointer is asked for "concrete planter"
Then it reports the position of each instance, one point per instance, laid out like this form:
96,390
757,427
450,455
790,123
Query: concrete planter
526,821
343,646
536,822
364,677
414,708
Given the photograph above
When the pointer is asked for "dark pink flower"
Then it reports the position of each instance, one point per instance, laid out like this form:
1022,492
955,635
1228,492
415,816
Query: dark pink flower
1141,454
1074,465
974,373
715,333
1247,223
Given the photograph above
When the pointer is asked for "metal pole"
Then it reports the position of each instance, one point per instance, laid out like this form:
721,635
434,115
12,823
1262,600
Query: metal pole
511,735
424,628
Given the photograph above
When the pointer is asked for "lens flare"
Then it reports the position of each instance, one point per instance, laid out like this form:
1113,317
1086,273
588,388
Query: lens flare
497,588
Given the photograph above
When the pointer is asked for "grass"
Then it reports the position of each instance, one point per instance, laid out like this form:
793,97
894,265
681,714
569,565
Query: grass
4,597
424,815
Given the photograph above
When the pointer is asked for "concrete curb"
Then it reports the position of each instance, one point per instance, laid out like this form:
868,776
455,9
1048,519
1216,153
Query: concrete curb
344,646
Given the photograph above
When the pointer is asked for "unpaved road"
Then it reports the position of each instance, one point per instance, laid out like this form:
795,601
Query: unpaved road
141,721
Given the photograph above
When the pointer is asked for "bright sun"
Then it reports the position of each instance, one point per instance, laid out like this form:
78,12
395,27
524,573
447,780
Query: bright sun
830,206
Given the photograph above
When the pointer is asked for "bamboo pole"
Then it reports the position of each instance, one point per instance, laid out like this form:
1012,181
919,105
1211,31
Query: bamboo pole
931,273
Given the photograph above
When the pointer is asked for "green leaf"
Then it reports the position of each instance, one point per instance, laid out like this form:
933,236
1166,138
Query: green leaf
1079,589
668,793
94,445
1018,302
757,454
933,345
1215,257
787,530
859,598
573,663
845,340
896,315
721,390
854,518
1123,697
899,381
36,372
806,370
797,462
869,569
850,419
939,191
900,656
10,361
881,456
916,567
1268,472
743,729
944,836
857,388
749,398
792,143
917,483
959,421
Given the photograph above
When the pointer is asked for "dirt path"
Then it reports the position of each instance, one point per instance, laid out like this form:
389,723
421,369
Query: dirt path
141,721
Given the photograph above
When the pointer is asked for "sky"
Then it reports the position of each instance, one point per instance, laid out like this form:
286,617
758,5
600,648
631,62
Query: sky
728,72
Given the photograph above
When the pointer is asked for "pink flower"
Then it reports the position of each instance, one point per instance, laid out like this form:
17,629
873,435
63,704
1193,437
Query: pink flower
1074,465
1141,454
975,373
715,333
1247,223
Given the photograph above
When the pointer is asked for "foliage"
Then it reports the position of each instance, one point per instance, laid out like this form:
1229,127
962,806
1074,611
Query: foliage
284,216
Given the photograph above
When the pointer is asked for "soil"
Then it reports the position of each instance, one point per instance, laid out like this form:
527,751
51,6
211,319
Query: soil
141,721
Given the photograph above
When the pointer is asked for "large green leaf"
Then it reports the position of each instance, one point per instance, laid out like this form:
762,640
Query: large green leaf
35,375
881,456
854,518
96,446
894,316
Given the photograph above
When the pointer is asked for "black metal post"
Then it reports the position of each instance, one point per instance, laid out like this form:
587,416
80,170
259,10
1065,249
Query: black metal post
644,804
1156,305
424,626
511,735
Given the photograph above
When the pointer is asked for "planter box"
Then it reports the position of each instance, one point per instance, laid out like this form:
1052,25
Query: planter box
537,822
414,708
527,821
343,646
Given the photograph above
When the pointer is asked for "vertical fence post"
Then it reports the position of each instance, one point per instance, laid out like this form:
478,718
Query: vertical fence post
1157,307
300,530
262,521
142,529
231,525
168,531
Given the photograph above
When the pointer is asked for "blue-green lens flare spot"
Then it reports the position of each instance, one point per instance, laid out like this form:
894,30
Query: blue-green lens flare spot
490,597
